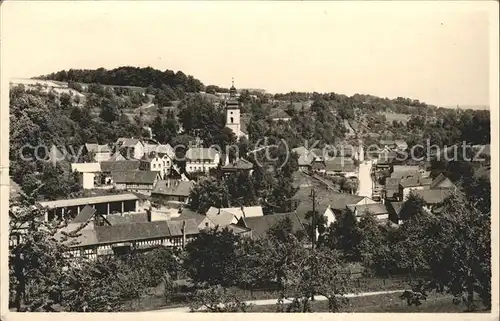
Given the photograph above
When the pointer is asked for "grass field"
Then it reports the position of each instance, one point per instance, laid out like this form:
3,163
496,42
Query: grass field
384,303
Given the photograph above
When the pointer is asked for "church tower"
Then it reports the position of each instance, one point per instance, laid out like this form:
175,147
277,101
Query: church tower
233,112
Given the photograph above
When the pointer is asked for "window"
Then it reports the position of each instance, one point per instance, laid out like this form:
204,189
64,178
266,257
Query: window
232,120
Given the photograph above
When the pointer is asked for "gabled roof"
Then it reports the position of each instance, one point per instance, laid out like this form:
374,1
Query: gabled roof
340,164
396,206
240,164
86,167
392,183
200,153
412,182
173,187
375,209
116,157
439,180
126,218
96,148
246,211
144,231
406,175
220,217
301,150
120,166
432,196
55,153
187,214
326,197
405,168
128,142
260,225
279,113
159,148
386,142
85,214
401,143
135,177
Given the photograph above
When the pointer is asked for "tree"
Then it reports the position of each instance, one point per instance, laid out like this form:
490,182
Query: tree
211,258
209,192
459,254
413,206
109,111
344,235
36,261
240,186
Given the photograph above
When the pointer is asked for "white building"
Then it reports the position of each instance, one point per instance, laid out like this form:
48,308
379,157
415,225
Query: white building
199,159
130,147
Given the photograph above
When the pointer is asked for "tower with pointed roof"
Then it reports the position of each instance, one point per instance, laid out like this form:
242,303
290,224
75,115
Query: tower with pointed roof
233,111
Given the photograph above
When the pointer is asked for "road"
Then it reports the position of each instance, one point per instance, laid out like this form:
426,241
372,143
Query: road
365,179
274,301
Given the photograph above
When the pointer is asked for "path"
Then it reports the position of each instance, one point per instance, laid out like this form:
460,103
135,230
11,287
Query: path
365,179
274,301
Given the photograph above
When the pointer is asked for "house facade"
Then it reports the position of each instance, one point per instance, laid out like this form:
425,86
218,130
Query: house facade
156,162
136,181
170,190
99,152
131,148
199,159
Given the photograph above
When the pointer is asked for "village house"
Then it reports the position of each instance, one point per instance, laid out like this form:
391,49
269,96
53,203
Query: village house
199,159
433,198
278,114
170,190
412,184
109,167
237,212
336,166
93,240
98,152
136,181
205,222
131,148
305,159
379,210
158,162
442,182
90,173
393,189
401,145
341,166
238,165
104,205
259,226
325,199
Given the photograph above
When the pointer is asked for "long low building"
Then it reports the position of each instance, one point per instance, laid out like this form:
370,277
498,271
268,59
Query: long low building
104,205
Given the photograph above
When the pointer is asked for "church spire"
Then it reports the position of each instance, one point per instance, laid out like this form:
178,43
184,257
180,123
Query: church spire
232,91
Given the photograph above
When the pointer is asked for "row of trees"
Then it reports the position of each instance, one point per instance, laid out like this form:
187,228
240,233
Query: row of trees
129,76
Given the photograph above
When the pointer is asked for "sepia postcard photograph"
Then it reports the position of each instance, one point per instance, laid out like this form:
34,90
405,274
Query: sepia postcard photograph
249,157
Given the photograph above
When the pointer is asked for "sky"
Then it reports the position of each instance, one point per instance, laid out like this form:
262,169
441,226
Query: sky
435,52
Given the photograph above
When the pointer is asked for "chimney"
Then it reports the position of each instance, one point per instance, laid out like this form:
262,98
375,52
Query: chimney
243,211
183,234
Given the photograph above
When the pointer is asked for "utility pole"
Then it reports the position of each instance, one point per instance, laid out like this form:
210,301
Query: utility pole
313,195
313,218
